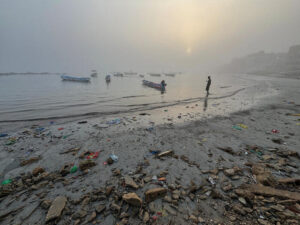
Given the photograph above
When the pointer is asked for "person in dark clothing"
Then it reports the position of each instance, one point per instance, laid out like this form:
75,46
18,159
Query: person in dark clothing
208,85
163,86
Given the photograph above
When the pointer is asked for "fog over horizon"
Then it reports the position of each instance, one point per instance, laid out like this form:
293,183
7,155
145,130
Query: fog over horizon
141,35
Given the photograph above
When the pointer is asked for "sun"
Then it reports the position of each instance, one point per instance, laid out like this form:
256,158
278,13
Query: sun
188,50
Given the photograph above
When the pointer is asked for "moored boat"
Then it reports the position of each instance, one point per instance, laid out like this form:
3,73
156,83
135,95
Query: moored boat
152,84
71,78
170,74
94,73
118,74
155,74
107,78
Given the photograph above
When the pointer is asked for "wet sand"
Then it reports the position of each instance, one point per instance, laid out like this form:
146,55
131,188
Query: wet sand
199,188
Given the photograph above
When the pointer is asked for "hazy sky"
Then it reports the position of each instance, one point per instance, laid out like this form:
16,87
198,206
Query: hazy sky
144,35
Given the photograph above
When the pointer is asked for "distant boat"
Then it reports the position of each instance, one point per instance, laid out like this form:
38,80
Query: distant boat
170,74
155,74
141,75
107,78
152,84
94,73
130,73
71,78
118,74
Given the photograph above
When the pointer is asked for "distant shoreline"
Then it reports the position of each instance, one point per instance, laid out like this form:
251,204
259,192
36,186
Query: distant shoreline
29,73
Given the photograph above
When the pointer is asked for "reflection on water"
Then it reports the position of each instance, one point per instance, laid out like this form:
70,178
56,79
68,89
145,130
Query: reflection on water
43,96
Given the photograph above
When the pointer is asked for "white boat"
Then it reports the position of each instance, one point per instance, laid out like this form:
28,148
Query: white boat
170,74
107,78
71,78
94,73
130,73
118,74
155,74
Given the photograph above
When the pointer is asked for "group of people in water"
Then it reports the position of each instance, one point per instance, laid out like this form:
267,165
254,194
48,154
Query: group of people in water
208,83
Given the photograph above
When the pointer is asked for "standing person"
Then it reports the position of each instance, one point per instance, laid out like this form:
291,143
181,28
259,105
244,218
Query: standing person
208,85
163,85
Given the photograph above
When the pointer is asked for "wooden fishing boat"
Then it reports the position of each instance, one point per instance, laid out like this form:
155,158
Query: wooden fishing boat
152,84
71,78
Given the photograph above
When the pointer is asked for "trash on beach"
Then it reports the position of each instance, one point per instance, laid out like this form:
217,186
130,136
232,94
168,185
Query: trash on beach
114,157
154,152
51,122
66,136
11,141
297,114
162,179
61,128
243,126
114,121
298,124
211,180
74,169
82,122
154,178
236,127
102,125
93,155
3,135
275,131
8,181
150,129
39,129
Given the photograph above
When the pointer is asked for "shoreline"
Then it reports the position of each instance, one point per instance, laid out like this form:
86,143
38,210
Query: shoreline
211,161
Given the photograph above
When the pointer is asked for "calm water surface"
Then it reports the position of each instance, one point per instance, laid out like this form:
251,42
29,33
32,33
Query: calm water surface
25,97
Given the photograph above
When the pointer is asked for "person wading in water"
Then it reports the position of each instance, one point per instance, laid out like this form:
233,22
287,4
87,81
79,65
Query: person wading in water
208,85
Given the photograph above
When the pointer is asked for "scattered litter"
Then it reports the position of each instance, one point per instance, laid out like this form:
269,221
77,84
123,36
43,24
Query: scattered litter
211,180
61,128
51,122
101,125
154,152
82,122
39,129
115,121
154,178
3,135
298,124
150,128
274,131
236,127
74,169
162,179
114,157
11,141
8,181
297,114
93,155
66,136
243,126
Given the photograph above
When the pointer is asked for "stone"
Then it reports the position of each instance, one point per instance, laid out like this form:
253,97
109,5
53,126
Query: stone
193,218
80,214
170,210
130,182
110,161
100,208
132,199
146,217
115,208
56,208
242,200
30,161
83,165
263,222
201,220
154,193
108,190
37,171
46,204
92,217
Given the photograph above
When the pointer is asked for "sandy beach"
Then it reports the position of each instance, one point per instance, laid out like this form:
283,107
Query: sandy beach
169,165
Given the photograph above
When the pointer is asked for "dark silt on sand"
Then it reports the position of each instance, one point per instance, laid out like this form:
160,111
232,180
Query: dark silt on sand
239,168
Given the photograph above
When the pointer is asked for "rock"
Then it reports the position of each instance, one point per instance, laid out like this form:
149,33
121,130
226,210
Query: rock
65,170
231,172
268,191
242,200
146,217
29,161
108,190
277,141
124,215
239,209
227,187
115,208
100,208
37,171
166,153
80,214
263,222
170,210
132,199
92,217
56,208
46,204
83,165
278,207
130,182
201,220
110,161
193,218
154,193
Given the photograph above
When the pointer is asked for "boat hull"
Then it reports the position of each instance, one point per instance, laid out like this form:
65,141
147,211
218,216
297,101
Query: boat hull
152,84
78,79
